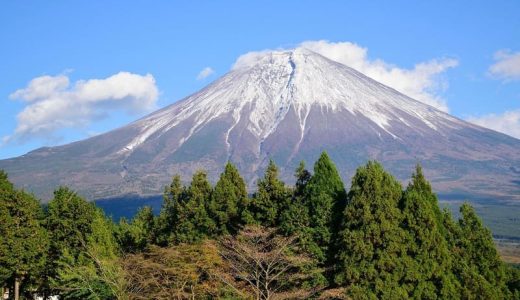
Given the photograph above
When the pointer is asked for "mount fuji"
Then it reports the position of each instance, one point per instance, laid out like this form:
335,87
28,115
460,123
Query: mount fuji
287,106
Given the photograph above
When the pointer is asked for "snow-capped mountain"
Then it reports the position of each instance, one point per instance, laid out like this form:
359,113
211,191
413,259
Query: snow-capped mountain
288,106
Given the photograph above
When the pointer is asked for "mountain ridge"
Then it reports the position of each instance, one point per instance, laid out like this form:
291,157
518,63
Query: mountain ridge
289,106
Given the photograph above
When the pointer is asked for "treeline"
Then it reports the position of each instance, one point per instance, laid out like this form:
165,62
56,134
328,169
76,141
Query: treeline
311,240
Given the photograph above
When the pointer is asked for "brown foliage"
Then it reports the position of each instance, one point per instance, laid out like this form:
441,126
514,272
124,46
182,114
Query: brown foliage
269,265
257,263
180,272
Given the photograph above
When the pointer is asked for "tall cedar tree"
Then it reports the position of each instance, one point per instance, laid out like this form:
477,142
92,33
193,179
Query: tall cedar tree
429,271
325,200
294,216
371,255
193,220
513,282
228,201
174,194
295,221
481,272
136,236
69,223
271,194
23,241
95,271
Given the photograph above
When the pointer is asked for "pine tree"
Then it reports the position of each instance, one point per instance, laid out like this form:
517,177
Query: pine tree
69,223
228,201
137,235
173,195
22,237
483,274
295,221
325,198
193,220
513,282
294,215
95,271
428,272
271,194
371,256
6,256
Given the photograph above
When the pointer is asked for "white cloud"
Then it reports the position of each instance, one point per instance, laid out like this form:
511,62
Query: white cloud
423,82
54,104
249,59
507,122
507,65
207,71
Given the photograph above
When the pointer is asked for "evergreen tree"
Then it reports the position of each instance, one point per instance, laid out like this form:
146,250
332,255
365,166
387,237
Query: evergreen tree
371,256
95,271
303,176
271,194
228,201
295,221
294,215
6,256
69,223
513,282
23,240
137,235
173,195
483,274
428,272
193,220
325,200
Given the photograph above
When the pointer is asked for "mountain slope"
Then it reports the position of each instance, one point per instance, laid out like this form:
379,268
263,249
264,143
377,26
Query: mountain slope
288,106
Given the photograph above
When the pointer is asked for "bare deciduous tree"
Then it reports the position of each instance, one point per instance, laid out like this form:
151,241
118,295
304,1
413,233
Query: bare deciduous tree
269,264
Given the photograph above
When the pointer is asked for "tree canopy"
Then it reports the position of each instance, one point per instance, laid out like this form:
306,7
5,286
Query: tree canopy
378,241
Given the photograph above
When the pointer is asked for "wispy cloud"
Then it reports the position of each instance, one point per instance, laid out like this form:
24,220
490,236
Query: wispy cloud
506,66
424,82
53,103
207,71
507,122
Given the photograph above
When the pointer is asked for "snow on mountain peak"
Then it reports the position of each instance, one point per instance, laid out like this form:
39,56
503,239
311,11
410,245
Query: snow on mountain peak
267,84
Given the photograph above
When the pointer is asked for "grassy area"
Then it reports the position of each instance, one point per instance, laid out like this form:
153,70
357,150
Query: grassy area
502,219
509,251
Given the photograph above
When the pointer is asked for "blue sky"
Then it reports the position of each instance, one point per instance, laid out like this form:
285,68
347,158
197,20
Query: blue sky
155,51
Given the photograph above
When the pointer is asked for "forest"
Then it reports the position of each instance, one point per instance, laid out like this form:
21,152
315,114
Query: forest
317,240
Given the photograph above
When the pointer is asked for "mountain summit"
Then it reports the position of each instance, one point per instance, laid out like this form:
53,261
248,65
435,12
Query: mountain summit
286,106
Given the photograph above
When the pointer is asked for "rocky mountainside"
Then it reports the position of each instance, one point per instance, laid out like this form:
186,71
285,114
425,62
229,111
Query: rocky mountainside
288,106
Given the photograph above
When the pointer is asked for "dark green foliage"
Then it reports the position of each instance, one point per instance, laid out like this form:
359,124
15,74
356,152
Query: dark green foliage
229,201
377,242
325,199
480,270
193,220
83,254
513,282
136,236
69,222
479,247
428,272
94,272
294,215
371,255
23,240
269,197
295,221
174,194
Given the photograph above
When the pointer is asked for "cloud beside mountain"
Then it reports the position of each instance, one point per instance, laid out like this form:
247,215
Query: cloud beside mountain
424,82
53,103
